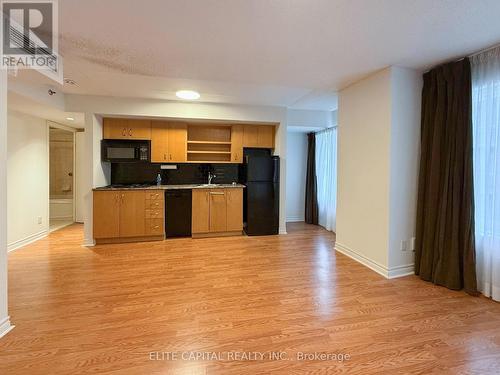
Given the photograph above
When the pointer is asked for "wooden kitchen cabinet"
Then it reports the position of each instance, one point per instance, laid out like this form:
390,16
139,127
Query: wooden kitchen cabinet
177,142
106,221
237,144
218,218
159,141
168,142
217,211
265,136
119,128
200,211
251,136
234,209
132,213
261,136
128,215
115,128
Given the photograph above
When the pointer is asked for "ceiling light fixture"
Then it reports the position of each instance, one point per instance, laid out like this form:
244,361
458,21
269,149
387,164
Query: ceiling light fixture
70,119
187,94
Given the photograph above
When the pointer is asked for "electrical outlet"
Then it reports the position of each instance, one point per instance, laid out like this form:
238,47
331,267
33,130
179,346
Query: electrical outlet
39,220
412,244
403,245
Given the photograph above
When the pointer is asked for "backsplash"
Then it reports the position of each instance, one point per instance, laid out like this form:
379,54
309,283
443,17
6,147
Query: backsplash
192,173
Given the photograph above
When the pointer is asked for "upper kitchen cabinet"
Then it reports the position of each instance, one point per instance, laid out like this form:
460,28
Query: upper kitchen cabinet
177,142
237,144
120,128
265,136
159,142
261,136
168,142
251,136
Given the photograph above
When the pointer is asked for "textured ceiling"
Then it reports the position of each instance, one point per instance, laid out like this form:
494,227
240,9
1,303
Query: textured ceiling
292,53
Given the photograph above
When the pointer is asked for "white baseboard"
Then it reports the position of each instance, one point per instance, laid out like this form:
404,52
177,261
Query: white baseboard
282,231
401,271
27,240
294,219
388,273
88,242
5,326
66,217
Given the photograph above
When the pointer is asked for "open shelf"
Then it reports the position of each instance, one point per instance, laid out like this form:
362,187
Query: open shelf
209,152
209,142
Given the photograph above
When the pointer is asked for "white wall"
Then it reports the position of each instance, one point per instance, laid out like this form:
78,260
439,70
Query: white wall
314,119
5,325
296,175
95,172
363,168
379,120
405,155
27,179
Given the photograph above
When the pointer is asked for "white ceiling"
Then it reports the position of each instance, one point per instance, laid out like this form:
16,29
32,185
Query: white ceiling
20,103
293,53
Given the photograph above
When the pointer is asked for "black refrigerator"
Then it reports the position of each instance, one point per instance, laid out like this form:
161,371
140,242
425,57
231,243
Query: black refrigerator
260,173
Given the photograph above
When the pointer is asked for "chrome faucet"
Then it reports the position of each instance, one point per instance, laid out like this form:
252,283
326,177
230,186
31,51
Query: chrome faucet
210,177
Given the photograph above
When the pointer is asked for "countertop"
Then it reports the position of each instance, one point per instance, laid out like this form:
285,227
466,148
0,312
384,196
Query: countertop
171,187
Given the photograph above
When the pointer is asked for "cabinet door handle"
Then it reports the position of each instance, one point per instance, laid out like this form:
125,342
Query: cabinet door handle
170,156
124,132
216,193
130,132
164,156
123,196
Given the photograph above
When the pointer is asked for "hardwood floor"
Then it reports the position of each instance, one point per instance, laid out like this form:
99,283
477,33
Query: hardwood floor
105,309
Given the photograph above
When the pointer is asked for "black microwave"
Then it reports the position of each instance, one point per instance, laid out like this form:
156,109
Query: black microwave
125,151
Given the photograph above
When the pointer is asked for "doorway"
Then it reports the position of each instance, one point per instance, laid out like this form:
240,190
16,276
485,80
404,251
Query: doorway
61,177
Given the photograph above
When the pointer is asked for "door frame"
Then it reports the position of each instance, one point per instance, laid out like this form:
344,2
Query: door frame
52,124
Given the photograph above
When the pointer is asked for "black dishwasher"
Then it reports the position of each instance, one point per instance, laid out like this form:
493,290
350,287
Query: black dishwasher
178,213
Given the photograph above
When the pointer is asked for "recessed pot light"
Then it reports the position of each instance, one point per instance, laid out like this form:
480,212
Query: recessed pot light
188,94
70,119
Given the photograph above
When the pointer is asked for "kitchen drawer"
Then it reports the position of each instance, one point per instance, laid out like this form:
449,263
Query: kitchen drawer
154,214
154,204
155,195
154,227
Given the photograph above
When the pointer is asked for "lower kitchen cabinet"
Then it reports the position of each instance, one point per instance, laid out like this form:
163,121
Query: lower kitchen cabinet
218,204
132,214
217,212
106,214
201,211
125,215
234,210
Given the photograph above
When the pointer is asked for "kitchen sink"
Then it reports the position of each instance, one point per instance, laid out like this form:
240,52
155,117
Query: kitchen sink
208,185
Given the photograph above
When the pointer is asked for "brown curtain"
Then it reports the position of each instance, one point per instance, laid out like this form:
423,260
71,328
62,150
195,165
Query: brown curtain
311,211
445,251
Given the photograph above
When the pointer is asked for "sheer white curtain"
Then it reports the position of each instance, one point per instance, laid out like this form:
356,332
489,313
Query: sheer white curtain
486,125
326,176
